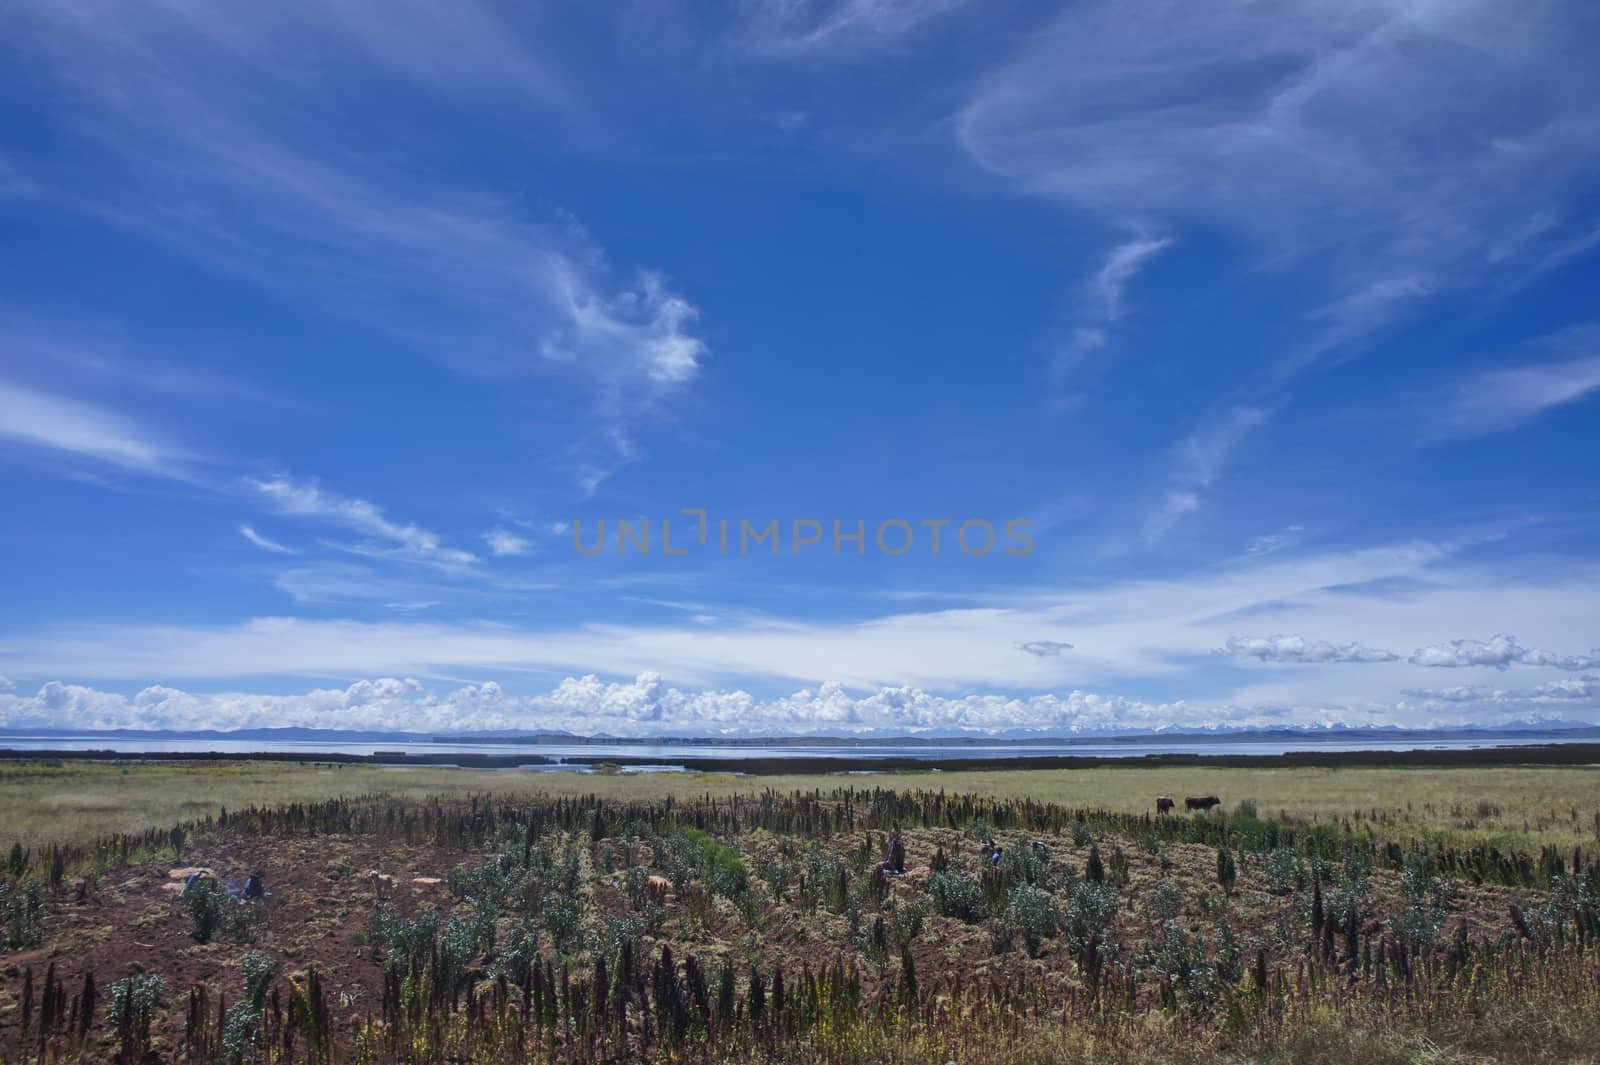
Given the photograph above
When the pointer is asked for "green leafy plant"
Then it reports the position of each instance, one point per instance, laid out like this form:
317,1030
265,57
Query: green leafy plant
1091,912
1035,915
956,896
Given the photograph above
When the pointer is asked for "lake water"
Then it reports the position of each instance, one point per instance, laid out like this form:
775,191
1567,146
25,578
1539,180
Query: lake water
664,755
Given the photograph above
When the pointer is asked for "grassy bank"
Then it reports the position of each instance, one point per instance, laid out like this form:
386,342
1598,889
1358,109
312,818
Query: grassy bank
1520,806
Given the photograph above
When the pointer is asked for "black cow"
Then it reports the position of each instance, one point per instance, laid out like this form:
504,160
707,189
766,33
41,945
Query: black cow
1163,804
1201,802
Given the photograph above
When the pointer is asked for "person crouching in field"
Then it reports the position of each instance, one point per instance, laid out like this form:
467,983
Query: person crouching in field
895,863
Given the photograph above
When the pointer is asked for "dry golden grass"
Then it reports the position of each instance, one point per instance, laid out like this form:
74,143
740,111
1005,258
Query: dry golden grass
1508,805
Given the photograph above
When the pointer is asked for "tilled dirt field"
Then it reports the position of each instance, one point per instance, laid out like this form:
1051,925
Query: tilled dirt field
322,894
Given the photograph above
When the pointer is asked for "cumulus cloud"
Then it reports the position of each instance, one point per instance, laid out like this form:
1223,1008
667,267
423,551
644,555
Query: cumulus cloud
647,706
502,543
1569,694
1299,649
1044,648
6,683
1499,652
589,705
1461,693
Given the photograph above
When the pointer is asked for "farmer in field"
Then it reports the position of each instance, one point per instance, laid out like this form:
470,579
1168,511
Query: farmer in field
895,863
254,888
992,851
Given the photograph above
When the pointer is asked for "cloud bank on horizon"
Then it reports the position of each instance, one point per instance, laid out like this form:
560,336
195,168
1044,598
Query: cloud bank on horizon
327,327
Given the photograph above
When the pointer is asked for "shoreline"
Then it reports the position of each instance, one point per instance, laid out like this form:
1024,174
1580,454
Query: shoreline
1555,754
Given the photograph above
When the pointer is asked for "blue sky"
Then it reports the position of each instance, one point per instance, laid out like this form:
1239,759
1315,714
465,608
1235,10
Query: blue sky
1274,325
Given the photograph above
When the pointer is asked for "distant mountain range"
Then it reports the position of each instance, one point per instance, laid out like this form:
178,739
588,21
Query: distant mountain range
1551,731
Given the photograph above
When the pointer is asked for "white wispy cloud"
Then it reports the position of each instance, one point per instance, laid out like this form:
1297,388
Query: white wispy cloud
1125,261
1103,298
1277,122
502,543
1297,648
458,272
307,499
249,533
1275,125
1270,542
1124,632
84,351
818,26
59,424
1505,397
1198,461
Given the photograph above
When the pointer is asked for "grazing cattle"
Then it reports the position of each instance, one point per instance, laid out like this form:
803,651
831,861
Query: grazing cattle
657,887
1201,802
382,885
1163,804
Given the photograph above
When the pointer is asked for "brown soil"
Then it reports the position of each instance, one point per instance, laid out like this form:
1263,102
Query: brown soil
321,895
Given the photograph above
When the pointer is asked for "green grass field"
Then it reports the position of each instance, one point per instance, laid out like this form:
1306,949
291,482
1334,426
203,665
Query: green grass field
1511,805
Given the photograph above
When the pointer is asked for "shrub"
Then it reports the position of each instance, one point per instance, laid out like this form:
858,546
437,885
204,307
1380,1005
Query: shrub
1285,871
132,996
1183,961
634,880
241,1029
908,921
519,955
1165,903
956,896
208,904
616,932
1080,834
718,864
561,919
463,940
1094,869
1227,869
1119,871
1229,956
1353,889
1091,911
131,1005
1035,915
405,943
1428,900
1025,864
22,912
